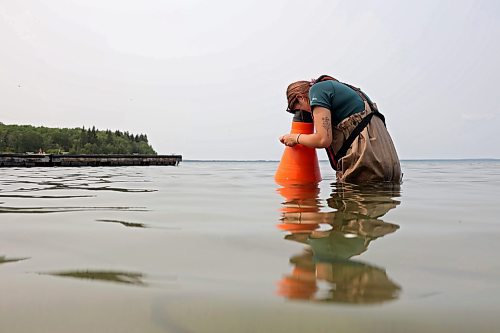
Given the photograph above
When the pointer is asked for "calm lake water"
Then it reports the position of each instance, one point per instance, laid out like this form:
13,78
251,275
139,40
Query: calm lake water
219,247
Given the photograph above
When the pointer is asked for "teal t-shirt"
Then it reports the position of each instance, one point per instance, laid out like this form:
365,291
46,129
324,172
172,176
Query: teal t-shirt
341,100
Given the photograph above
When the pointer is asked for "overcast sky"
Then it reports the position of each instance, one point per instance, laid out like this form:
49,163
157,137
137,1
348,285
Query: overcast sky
207,79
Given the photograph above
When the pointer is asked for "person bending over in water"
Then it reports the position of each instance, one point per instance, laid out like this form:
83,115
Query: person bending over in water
347,123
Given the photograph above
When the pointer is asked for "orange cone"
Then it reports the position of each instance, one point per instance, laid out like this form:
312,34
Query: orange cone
299,164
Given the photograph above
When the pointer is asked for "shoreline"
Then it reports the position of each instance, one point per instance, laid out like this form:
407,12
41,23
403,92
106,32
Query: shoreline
95,160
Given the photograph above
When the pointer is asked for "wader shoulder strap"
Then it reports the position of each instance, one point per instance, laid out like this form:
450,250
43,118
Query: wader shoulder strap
361,94
365,98
335,158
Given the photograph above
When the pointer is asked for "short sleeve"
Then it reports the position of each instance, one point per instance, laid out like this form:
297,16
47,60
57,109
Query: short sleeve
322,94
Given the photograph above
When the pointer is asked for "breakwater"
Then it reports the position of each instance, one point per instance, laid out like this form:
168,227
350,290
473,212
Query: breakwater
66,160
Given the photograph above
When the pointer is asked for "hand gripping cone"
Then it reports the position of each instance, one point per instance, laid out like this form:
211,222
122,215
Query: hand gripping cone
299,164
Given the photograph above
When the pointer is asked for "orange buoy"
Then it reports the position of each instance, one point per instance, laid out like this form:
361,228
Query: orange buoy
299,164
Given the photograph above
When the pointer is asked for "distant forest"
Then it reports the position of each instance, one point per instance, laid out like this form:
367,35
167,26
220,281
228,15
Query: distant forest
30,139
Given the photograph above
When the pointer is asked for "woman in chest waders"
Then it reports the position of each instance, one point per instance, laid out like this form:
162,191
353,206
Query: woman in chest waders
349,126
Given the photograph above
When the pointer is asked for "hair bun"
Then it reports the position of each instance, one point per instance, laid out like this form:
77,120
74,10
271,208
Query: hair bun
325,78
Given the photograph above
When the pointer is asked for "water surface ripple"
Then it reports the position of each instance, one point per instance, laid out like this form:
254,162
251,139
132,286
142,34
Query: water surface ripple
220,247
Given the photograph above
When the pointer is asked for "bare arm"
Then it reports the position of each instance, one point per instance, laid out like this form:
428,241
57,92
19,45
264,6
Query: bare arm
322,138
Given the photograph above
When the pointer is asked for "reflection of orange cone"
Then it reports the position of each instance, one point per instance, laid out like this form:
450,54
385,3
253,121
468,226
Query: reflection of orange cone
295,228
299,164
302,192
300,285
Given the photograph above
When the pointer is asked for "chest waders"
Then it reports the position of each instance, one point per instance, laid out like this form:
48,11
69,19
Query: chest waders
336,157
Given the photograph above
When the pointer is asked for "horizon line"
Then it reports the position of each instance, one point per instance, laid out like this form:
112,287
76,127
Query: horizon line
403,160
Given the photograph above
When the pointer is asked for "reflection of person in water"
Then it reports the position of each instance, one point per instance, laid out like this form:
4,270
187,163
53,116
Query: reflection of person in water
353,205
352,227
348,281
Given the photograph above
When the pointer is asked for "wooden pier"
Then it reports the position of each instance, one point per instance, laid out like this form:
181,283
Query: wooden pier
66,160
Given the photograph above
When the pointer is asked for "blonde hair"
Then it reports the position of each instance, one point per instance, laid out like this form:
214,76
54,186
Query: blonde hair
295,90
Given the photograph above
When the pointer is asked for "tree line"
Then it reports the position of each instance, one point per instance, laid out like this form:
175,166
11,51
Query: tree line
30,139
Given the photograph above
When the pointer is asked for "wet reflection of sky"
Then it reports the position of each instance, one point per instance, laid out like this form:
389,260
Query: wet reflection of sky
192,246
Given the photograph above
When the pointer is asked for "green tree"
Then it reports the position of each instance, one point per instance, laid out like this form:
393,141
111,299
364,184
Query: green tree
21,139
